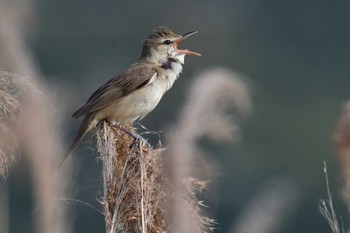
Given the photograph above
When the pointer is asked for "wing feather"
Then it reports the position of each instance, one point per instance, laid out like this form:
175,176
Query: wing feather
137,76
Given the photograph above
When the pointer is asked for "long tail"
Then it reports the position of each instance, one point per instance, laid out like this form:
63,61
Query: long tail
85,127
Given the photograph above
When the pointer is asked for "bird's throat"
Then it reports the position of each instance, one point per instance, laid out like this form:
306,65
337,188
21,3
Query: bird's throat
167,64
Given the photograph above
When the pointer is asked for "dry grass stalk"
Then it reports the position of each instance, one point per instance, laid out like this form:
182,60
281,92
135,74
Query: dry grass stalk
37,128
133,182
27,118
136,186
341,139
41,141
16,18
327,210
205,114
143,195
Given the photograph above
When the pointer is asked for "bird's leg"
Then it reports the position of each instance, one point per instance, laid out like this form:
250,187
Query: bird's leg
137,137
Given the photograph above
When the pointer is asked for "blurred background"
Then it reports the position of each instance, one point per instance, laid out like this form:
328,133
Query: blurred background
294,56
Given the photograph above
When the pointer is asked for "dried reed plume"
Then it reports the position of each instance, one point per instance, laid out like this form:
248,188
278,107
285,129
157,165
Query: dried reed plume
341,139
27,118
32,121
132,181
144,194
212,94
11,88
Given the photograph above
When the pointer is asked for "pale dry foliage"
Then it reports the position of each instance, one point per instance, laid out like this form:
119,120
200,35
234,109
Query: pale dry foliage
11,89
152,190
205,114
14,57
34,123
16,22
27,117
133,182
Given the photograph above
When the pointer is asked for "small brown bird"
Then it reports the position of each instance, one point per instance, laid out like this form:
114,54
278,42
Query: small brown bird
136,91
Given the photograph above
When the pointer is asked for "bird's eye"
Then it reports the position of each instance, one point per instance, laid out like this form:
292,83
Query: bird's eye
167,42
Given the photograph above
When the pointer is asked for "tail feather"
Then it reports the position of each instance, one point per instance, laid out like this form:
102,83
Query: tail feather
86,126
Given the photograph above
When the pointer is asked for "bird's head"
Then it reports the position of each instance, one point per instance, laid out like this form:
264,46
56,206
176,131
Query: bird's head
162,44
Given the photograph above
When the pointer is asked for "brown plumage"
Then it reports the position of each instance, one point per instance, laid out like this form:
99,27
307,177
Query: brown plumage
135,92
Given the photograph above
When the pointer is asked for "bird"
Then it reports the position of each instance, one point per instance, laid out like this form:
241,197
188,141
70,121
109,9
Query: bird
136,91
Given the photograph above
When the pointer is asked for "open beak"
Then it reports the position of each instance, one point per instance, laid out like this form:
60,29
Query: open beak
182,38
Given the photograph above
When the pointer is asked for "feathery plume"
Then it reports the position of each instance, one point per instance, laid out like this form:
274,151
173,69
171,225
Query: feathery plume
33,123
212,94
152,190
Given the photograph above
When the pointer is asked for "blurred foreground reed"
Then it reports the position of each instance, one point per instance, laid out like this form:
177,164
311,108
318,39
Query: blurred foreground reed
30,120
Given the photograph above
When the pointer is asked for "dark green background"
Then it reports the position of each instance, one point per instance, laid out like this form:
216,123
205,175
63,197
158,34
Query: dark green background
295,54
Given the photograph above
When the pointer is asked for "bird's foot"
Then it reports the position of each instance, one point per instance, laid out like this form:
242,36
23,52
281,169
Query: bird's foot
138,141
137,137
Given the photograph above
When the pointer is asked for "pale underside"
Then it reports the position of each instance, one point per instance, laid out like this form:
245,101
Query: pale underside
109,103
